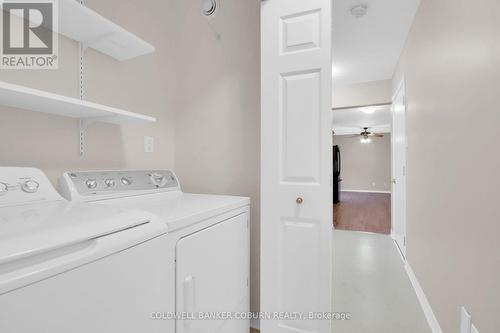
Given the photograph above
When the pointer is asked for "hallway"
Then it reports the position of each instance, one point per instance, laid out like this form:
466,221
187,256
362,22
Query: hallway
370,282
359,211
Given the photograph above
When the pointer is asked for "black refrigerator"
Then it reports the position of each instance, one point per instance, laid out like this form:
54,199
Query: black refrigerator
337,165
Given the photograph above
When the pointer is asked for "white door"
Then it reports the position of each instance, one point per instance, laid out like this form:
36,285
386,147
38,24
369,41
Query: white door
399,145
296,165
212,269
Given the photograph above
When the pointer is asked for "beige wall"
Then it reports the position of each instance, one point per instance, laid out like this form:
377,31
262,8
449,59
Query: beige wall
452,69
375,92
365,166
218,106
142,85
202,84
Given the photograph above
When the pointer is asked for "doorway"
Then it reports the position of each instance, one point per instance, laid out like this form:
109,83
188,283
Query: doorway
296,156
362,168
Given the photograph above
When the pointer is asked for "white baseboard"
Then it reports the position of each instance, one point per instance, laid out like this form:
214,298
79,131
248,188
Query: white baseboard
366,191
255,323
424,303
403,259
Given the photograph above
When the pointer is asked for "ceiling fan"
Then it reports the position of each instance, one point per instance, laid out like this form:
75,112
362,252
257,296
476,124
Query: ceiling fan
366,135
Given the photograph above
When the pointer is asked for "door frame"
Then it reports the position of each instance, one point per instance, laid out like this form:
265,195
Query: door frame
401,88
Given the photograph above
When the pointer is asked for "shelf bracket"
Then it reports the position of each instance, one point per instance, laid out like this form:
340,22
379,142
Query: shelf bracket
84,125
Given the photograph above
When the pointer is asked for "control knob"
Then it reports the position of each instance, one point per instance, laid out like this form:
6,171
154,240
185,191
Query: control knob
109,182
91,183
30,186
126,181
3,189
157,179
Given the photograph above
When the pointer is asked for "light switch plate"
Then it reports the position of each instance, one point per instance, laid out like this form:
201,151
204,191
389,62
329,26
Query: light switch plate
473,329
149,144
465,321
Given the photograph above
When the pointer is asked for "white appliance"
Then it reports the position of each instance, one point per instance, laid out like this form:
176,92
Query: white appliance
208,241
78,268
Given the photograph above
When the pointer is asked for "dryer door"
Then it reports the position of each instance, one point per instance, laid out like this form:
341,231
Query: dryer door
212,277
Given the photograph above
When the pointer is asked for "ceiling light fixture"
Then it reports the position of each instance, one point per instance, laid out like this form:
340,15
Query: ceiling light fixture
365,139
369,109
359,11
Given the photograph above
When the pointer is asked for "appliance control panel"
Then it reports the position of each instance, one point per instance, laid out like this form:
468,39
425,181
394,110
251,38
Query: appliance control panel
25,185
89,185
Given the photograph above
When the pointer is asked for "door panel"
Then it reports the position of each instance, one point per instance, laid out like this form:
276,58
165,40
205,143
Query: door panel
300,142
212,268
299,292
296,190
301,31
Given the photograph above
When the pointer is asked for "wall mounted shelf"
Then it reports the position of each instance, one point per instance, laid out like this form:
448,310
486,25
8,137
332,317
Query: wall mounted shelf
41,101
90,30
84,25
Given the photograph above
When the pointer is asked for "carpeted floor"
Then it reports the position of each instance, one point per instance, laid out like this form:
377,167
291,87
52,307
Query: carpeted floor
358,211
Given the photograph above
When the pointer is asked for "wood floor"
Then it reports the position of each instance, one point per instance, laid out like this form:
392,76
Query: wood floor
253,330
369,212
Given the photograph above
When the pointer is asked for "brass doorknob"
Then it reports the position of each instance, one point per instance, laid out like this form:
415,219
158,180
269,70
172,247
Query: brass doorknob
299,200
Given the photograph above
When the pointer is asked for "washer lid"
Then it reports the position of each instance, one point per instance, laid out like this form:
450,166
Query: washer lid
29,230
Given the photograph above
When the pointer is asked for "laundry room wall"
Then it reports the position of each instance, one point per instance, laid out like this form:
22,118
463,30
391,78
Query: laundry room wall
452,71
202,84
218,106
143,85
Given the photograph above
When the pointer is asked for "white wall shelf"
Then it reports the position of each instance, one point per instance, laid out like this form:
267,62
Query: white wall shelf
90,30
84,25
41,101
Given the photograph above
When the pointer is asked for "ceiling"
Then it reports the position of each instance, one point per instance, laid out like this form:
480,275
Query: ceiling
368,48
352,121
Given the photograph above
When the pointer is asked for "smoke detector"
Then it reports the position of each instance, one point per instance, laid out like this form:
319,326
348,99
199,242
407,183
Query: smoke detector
359,11
209,7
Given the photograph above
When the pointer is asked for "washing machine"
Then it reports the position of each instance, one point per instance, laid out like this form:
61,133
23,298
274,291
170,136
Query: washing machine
75,267
207,237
